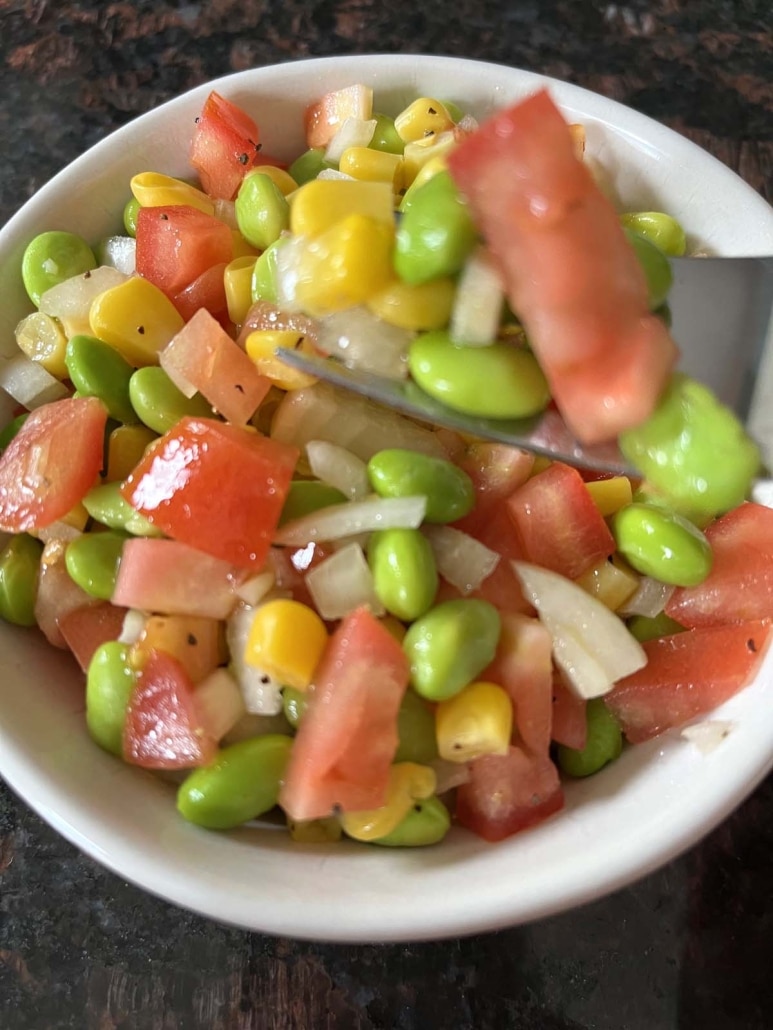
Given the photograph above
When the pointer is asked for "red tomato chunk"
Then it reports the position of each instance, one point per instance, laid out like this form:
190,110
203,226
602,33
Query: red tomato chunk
225,146
177,244
216,487
348,737
51,463
570,274
686,675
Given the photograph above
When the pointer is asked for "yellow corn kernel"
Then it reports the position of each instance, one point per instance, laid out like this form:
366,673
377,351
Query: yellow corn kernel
261,346
237,279
286,639
372,166
345,265
136,318
283,181
423,119
609,495
241,248
152,189
416,155
314,831
196,642
609,584
125,447
408,782
77,517
319,204
540,464
427,306
41,338
477,721
577,133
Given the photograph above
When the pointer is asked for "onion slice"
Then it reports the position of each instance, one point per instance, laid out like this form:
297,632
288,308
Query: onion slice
461,560
342,520
354,132
29,383
591,645
343,582
338,467
262,694
478,301
361,340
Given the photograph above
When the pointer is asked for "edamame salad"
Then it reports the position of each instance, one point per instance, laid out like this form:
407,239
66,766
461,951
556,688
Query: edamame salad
301,605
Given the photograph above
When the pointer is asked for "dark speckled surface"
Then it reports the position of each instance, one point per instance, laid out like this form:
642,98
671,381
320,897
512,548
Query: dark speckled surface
689,946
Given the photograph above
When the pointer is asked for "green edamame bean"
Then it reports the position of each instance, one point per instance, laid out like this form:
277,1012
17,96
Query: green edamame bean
498,381
404,573
242,783
262,212
158,402
52,257
8,432
450,645
264,285
396,472
415,731
92,561
386,136
644,627
604,743
109,683
309,165
454,111
98,370
130,213
306,496
693,450
436,233
662,544
659,228
105,504
294,704
19,567
427,823
657,270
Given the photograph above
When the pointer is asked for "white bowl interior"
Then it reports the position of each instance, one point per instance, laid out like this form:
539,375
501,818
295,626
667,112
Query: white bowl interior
657,800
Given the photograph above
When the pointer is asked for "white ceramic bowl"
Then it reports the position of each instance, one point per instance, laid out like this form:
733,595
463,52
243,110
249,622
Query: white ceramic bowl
657,800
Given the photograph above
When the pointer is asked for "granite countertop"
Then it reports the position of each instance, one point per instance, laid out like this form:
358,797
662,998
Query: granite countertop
687,947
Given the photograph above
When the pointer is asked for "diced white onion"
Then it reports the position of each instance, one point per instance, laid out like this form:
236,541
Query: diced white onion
649,599
354,132
478,301
591,645
225,210
449,775
338,467
253,590
29,383
361,340
322,412
288,256
71,300
467,124
119,252
342,520
262,694
333,173
133,626
461,560
220,702
343,582
707,736
59,531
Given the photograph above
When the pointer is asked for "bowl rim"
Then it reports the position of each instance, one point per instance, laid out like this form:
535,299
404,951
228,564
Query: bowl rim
631,859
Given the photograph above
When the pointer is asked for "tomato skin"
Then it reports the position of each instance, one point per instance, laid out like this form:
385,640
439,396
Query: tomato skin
163,729
51,463
687,675
508,793
570,274
740,584
557,522
348,736
207,291
225,146
177,244
87,628
216,487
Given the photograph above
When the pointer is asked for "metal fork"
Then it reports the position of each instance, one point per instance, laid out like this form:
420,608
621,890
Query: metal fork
721,321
